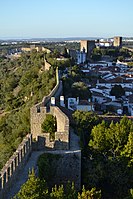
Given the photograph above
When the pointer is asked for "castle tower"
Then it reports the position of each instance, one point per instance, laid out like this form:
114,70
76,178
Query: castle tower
87,46
118,41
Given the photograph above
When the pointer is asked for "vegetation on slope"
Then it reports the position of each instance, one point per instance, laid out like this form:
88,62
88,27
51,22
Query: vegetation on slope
23,83
107,155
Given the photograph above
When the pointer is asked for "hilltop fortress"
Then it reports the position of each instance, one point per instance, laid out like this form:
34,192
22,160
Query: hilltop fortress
15,172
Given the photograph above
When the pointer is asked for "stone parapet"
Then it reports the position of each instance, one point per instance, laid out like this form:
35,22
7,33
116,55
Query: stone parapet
43,139
39,111
55,92
62,119
38,115
14,165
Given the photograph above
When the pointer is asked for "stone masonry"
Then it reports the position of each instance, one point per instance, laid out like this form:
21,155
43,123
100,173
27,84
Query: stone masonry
14,165
61,136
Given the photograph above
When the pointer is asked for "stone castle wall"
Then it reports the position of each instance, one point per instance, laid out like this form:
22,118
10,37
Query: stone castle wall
38,114
66,167
56,91
43,139
69,169
38,111
62,119
14,165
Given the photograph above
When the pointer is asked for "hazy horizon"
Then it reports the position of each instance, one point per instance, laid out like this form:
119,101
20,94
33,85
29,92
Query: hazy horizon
66,19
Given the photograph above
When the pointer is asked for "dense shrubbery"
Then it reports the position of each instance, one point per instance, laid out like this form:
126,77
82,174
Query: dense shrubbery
49,125
107,162
115,53
74,85
47,167
37,188
84,122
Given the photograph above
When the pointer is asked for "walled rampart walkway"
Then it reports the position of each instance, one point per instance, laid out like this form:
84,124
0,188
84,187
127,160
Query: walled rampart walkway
32,162
14,165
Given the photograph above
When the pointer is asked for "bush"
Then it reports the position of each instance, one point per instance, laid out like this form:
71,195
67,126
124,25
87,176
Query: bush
49,125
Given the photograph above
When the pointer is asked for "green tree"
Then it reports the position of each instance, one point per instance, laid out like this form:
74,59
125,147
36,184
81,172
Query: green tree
55,54
111,139
117,91
70,191
124,52
49,125
130,195
112,52
79,89
111,150
96,54
83,124
92,194
98,138
34,188
65,54
121,58
130,64
128,149
18,78
57,193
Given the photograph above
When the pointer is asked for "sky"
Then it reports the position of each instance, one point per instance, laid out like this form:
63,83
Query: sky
65,18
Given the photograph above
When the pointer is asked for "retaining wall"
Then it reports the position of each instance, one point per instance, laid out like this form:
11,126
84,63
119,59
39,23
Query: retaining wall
65,166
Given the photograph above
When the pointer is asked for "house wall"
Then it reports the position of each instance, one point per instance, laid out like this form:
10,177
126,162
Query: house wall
110,85
85,107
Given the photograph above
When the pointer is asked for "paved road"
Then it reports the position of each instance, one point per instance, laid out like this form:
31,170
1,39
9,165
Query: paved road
32,162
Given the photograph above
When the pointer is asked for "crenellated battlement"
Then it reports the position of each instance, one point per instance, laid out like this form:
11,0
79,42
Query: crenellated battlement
17,161
62,134
39,112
